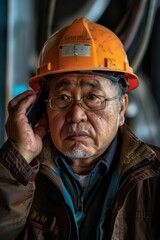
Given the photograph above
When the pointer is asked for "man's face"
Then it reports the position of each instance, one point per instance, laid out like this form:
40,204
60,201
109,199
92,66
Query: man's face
81,134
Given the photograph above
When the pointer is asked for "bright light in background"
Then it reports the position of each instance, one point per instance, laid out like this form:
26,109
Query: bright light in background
19,88
20,48
20,45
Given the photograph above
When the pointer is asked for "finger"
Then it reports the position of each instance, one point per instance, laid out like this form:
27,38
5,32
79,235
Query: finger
19,97
21,104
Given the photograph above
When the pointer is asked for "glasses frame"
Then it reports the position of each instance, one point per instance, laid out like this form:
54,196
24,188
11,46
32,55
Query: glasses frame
81,103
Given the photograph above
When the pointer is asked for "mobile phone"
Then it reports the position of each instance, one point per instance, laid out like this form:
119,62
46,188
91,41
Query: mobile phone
37,109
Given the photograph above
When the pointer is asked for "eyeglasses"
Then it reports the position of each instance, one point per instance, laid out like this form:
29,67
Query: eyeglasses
90,102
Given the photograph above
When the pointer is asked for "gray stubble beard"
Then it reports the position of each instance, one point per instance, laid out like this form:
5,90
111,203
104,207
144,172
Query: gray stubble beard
77,153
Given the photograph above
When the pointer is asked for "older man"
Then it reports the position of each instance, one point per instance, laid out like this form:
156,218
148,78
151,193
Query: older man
79,173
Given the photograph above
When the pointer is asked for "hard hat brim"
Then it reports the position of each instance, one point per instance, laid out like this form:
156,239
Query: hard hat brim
34,82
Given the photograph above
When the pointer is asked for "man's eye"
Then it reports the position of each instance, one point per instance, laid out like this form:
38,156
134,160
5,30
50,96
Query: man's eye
92,97
63,97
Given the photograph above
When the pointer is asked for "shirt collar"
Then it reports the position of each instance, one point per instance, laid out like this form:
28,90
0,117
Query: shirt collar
108,156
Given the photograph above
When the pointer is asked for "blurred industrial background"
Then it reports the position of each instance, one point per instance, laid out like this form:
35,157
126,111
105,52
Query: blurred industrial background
26,24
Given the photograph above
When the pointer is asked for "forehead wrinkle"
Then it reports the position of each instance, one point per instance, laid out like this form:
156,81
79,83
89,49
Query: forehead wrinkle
64,82
92,83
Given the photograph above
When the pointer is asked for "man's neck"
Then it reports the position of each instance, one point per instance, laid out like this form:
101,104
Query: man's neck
83,166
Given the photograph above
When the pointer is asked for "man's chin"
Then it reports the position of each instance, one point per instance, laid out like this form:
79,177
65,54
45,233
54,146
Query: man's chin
77,153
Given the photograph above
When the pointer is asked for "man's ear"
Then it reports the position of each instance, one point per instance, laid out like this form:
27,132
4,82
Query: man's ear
123,107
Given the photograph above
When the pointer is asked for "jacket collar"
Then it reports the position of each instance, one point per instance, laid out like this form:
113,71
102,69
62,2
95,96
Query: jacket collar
133,151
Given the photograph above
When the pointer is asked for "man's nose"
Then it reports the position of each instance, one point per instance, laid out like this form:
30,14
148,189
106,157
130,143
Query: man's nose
76,113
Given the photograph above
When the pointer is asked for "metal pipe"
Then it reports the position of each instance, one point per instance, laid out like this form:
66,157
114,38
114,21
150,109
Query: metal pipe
93,10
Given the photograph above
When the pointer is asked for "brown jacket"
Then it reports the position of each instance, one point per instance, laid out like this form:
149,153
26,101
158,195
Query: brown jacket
36,209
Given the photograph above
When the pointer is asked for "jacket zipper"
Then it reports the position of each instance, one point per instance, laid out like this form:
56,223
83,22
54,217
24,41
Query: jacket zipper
80,203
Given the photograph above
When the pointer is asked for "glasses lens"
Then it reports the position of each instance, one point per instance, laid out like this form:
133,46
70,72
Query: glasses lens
93,102
60,102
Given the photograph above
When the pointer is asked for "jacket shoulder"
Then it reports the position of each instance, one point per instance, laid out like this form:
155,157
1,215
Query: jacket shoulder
156,149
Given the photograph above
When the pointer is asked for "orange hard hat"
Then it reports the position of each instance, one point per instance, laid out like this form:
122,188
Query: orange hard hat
83,46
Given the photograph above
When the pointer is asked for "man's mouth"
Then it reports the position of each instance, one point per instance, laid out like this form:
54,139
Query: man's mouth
78,136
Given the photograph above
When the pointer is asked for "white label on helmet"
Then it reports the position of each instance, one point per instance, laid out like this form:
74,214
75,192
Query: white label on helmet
83,50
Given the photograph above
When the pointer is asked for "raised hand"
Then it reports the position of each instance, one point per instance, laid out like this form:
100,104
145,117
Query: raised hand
27,140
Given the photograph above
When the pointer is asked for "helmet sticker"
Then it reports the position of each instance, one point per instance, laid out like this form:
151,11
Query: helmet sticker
83,50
